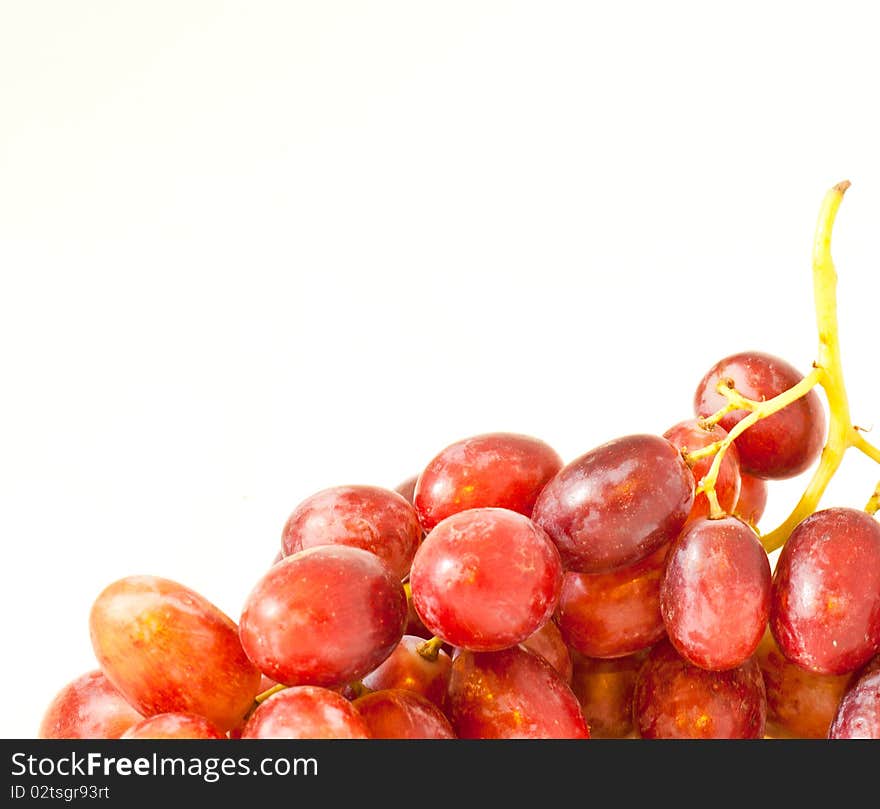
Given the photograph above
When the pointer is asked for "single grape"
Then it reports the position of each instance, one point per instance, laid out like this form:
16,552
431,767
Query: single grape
752,499
89,707
715,593
690,435
369,517
174,726
825,607
782,445
616,504
511,694
676,700
485,579
325,616
414,625
548,643
405,668
168,649
613,614
306,712
494,470
858,715
605,689
407,488
800,703
401,714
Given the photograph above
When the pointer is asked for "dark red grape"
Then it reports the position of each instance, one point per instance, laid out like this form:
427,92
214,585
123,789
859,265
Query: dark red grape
168,649
605,689
401,714
715,593
407,488
511,694
406,668
485,579
324,616
825,607
676,700
858,715
548,643
690,435
613,614
495,470
306,712
800,703
616,504
782,445
377,520
752,499
89,707
174,726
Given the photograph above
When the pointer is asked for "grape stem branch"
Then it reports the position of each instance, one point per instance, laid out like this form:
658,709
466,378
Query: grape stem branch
827,373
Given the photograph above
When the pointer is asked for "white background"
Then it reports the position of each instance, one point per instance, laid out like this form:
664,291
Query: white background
250,250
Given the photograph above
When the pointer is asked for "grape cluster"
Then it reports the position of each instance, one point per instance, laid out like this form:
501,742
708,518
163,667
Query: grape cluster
505,593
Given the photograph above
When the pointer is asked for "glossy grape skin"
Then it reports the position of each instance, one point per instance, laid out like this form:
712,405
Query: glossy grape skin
616,504
675,700
825,606
401,714
306,712
752,499
511,694
715,593
485,579
406,669
493,470
690,435
782,445
858,715
89,707
174,726
605,690
547,642
325,616
168,649
608,615
800,703
369,517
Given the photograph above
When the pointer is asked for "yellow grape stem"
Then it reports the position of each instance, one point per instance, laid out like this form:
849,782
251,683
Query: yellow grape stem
874,503
261,698
841,433
430,649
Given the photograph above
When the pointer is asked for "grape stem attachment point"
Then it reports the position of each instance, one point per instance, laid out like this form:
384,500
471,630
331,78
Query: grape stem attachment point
827,373
430,649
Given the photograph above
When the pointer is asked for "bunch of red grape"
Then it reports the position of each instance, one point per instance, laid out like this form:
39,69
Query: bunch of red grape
504,594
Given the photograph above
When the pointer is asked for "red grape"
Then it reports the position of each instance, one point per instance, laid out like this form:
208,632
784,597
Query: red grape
605,689
89,707
406,668
548,643
401,714
715,593
752,499
378,520
675,700
613,614
168,649
782,445
306,712
616,504
407,488
485,579
825,607
324,616
174,726
800,703
858,715
495,470
690,435
511,694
